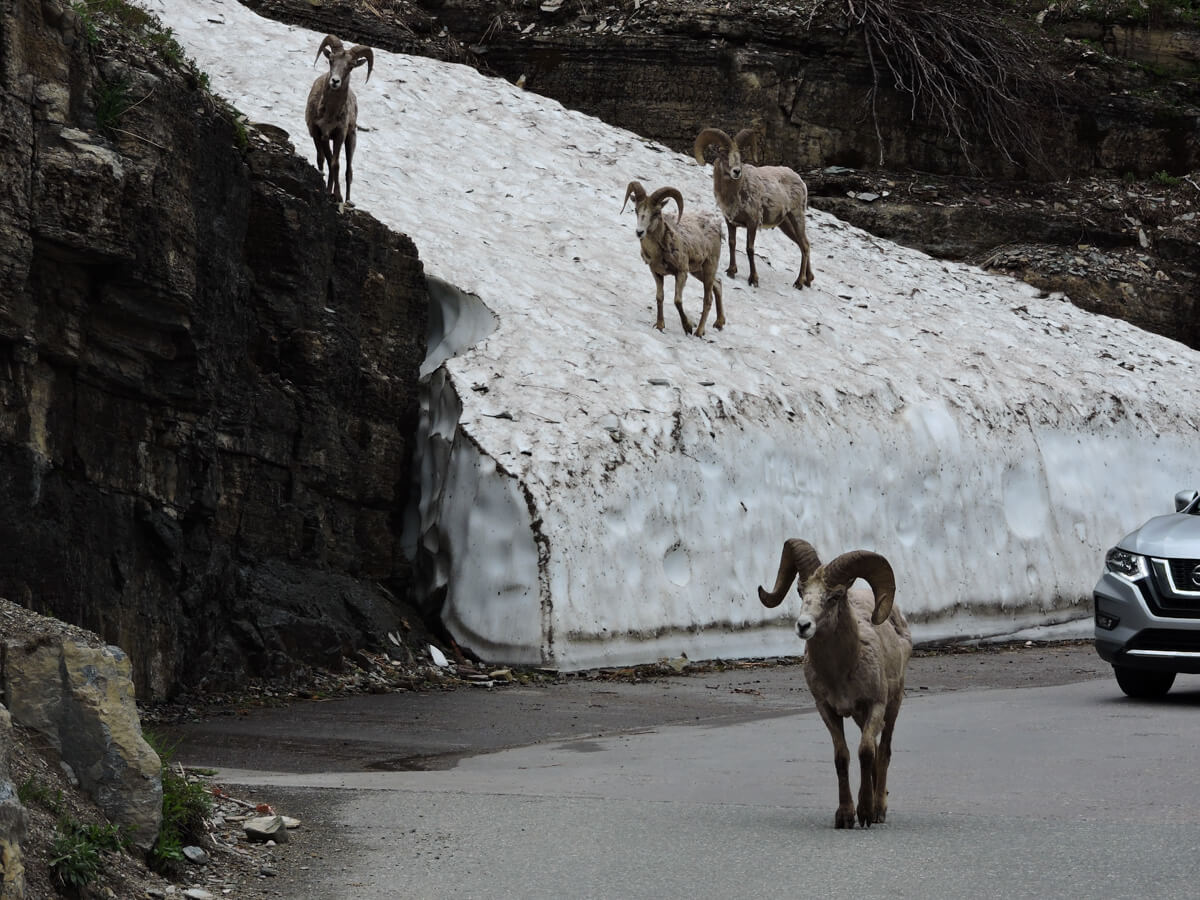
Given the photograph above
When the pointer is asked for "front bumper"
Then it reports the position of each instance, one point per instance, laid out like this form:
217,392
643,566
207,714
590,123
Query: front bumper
1141,639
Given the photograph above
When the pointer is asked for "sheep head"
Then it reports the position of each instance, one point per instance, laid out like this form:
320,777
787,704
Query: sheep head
649,208
823,588
343,61
728,159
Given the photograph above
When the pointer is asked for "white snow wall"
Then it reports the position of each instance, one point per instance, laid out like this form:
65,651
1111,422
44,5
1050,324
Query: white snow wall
597,492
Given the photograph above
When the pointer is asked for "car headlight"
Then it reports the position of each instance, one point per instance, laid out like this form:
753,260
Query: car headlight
1128,565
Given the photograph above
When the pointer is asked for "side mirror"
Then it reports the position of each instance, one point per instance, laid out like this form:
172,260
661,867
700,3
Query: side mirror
1187,502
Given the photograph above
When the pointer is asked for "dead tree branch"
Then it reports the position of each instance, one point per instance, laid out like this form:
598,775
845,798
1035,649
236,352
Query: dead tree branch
965,68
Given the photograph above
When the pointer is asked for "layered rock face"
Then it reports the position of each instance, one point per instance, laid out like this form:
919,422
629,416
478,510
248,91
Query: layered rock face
668,68
207,374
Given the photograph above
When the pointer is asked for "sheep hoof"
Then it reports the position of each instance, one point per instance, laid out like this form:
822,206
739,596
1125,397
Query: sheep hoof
731,271
752,281
844,818
719,324
866,816
659,326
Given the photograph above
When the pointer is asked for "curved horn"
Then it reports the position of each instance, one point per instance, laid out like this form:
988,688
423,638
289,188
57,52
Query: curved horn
665,193
358,51
710,136
798,559
871,568
330,41
636,191
747,138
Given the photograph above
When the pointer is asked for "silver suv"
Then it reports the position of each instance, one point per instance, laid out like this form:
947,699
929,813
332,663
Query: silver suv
1147,602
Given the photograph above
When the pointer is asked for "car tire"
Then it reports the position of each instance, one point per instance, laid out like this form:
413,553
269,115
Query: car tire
1143,685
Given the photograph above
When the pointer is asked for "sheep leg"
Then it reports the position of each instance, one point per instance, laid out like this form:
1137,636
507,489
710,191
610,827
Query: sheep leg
322,149
708,296
351,139
333,187
680,281
751,230
732,270
870,723
720,321
844,817
883,760
658,295
794,229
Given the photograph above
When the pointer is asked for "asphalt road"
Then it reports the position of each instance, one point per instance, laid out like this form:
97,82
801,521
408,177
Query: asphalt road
1016,774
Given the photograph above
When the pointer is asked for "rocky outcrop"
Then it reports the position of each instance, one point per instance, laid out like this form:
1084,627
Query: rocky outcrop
79,698
207,372
12,820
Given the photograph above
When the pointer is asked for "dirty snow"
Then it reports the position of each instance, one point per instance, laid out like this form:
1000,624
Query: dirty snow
596,492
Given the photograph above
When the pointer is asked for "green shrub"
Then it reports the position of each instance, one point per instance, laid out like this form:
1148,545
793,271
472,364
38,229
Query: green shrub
186,804
1165,179
77,852
74,860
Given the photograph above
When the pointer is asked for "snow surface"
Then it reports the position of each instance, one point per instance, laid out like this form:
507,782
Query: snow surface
595,492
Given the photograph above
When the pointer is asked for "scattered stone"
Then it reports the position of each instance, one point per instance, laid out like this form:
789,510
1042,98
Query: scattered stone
196,855
198,893
266,828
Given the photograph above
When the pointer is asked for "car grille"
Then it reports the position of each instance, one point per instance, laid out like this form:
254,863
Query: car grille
1179,602
1181,573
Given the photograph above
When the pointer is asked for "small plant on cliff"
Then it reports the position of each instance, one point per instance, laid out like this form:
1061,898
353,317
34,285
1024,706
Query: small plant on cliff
240,136
30,792
112,102
186,804
1165,179
164,44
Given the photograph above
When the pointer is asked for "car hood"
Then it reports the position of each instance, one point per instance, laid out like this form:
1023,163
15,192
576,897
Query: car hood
1176,536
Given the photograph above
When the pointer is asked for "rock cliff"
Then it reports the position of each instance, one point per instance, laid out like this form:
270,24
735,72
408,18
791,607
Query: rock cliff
207,373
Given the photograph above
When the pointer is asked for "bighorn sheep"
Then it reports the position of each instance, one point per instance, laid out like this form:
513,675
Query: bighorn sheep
332,110
690,244
755,197
857,649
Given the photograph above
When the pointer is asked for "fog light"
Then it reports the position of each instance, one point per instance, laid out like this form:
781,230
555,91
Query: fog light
1105,621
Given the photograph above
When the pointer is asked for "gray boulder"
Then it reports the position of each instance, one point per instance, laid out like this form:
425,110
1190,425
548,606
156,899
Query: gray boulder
12,821
81,699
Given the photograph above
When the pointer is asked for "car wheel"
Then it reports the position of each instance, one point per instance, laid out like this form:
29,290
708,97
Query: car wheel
1142,684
